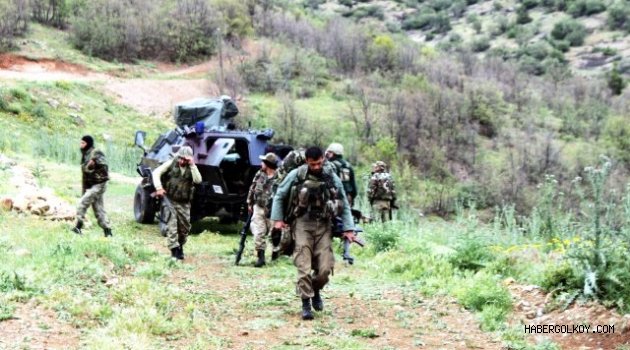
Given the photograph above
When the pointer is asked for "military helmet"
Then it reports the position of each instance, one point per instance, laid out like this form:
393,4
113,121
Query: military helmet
379,164
185,151
269,157
335,148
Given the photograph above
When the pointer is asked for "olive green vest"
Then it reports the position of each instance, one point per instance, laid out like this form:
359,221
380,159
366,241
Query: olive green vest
179,187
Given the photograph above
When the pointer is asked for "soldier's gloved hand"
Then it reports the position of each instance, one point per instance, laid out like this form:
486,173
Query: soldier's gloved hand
159,193
190,161
394,205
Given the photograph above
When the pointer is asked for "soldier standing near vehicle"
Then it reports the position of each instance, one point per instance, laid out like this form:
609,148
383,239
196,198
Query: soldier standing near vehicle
308,198
334,155
258,201
381,192
94,177
178,176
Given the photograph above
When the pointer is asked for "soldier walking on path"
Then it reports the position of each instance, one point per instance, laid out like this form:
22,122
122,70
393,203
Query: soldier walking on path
94,177
258,203
381,192
178,176
343,169
308,198
334,154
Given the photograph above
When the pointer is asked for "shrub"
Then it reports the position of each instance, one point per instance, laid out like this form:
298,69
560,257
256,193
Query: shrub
529,4
619,16
486,294
586,8
571,30
13,22
616,82
471,253
419,21
136,30
384,237
522,15
480,44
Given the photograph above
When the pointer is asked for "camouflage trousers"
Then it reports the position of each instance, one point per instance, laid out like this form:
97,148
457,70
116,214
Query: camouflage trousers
313,255
381,210
177,224
93,196
260,227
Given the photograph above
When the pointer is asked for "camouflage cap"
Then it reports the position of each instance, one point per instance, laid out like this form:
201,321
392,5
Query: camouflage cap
185,151
335,148
269,158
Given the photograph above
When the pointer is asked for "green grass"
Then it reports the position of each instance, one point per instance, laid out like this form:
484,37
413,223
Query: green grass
42,130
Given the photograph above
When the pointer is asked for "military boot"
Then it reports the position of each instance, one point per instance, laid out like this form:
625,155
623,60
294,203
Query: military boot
108,232
180,252
78,227
261,259
307,314
318,303
175,253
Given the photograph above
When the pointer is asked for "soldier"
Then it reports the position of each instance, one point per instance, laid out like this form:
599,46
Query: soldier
258,201
334,154
381,192
308,198
178,175
94,177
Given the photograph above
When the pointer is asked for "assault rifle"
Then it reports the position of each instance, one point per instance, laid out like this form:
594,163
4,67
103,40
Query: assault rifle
241,243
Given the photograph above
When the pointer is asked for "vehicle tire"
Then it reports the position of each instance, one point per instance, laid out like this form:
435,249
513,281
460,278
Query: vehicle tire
143,206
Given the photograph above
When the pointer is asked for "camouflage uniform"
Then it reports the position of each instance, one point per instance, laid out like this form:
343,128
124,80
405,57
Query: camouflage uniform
259,198
381,192
94,177
178,183
344,171
313,255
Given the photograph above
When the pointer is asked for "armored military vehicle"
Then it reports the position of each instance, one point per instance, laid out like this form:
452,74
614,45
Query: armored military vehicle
227,158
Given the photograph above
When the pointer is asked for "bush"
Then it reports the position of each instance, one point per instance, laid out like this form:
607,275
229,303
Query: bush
138,30
384,237
419,21
616,82
586,8
619,16
571,30
529,4
522,15
480,44
13,22
471,253
487,295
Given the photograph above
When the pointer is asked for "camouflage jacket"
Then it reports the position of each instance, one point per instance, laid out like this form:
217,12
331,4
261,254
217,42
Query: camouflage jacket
381,187
94,168
346,175
260,192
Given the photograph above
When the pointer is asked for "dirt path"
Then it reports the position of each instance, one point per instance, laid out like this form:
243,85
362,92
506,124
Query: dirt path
149,96
378,317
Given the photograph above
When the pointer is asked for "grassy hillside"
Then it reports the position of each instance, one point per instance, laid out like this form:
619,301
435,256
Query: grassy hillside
506,28
525,163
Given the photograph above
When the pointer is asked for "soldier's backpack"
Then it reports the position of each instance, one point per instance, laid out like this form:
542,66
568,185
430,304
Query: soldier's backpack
381,187
293,160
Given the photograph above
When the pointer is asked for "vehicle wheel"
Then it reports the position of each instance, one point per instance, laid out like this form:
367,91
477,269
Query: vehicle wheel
143,206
